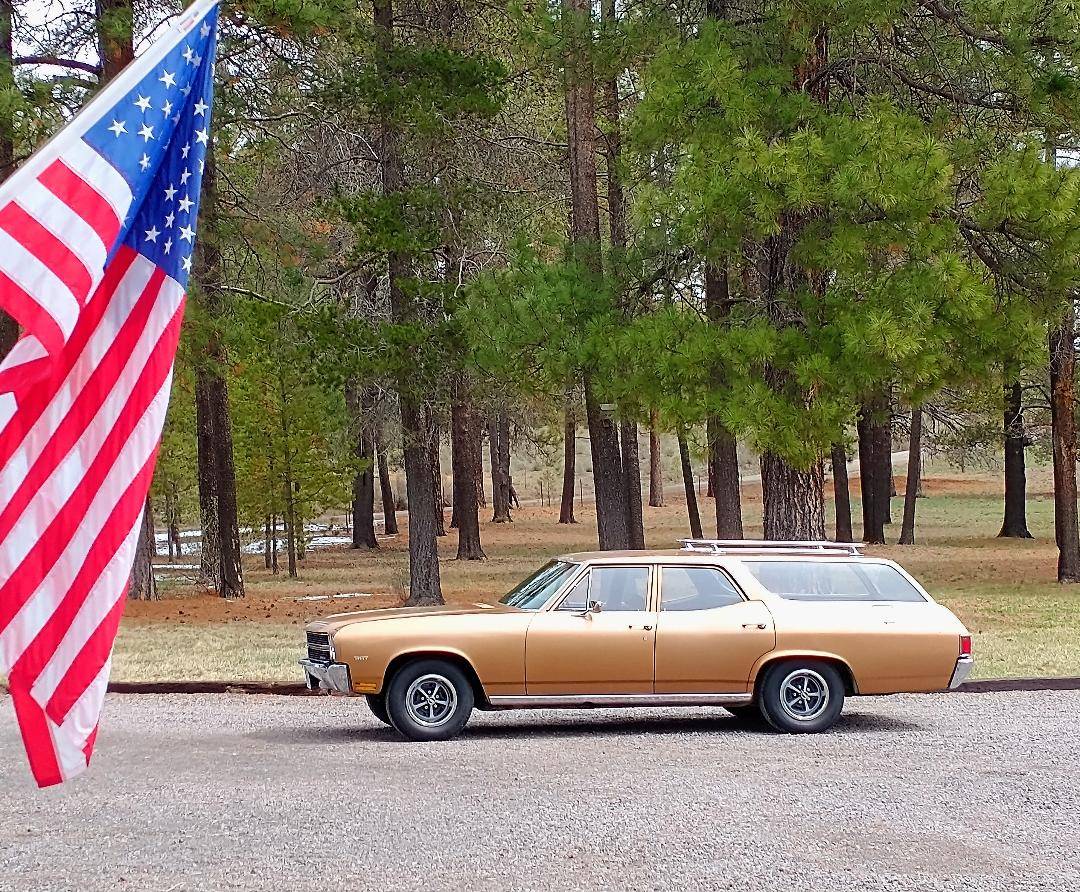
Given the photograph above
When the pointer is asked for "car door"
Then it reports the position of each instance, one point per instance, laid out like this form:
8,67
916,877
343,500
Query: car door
571,650
708,636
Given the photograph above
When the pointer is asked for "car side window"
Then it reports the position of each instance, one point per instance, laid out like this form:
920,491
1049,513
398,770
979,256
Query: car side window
577,598
833,580
696,588
616,588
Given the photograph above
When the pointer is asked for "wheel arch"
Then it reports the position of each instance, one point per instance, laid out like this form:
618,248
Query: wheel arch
851,685
455,657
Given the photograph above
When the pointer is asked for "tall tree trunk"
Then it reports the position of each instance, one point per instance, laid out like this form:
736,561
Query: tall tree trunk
883,451
656,465
724,461
1063,435
689,488
869,425
9,328
1014,523
631,463
142,586
386,489
116,47
613,531
363,500
274,544
914,472
221,564
793,499
841,493
465,454
436,476
581,126
478,470
114,33
500,484
628,442
266,542
424,582
723,453
566,505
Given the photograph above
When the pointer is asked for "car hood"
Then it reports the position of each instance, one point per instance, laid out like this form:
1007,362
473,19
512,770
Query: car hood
337,620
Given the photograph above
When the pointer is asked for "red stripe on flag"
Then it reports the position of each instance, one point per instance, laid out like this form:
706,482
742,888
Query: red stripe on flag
88,747
96,650
85,406
90,659
34,402
56,536
82,198
34,317
36,737
47,248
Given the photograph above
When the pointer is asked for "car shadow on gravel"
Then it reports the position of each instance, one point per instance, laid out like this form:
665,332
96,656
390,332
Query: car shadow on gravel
579,726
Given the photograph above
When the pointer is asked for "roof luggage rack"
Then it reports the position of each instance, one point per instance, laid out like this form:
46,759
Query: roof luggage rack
733,546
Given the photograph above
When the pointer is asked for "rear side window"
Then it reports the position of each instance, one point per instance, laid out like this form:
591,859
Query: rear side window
833,581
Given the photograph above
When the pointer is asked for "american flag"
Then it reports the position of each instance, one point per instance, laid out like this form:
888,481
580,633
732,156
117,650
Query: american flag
97,231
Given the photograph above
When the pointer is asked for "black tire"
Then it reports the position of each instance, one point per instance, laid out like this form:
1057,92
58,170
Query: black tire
795,686
445,682
377,703
750,714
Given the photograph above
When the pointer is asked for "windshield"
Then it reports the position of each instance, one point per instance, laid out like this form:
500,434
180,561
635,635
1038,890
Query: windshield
533,593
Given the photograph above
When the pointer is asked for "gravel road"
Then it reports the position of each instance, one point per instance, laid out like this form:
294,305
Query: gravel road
968,791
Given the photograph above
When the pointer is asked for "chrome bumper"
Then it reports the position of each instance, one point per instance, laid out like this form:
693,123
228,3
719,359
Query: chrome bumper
327,677
964,665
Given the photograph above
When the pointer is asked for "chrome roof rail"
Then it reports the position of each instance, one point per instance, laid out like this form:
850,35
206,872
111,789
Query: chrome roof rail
733,546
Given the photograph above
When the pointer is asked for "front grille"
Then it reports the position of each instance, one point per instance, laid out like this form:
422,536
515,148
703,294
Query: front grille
319,647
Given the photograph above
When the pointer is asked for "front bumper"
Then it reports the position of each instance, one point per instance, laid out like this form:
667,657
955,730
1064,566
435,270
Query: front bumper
964,665
327,677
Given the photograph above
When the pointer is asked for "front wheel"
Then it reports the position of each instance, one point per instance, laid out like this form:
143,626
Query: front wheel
429,700
802,696
377,704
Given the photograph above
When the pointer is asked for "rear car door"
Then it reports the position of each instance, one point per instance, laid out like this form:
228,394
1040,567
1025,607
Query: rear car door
569,650
708,636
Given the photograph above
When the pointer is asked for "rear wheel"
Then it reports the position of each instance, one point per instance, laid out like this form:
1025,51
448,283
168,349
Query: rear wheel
802,696
429,700
377,703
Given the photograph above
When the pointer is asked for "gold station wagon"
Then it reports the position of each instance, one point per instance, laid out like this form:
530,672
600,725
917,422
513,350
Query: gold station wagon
775,631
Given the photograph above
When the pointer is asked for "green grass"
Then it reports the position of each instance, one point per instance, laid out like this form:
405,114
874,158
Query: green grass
1023,622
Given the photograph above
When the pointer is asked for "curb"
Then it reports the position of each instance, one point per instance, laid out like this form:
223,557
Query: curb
999,685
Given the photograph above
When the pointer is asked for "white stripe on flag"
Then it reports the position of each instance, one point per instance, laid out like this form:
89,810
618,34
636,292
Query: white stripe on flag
77,235
100,174
106,588
121,302
40,282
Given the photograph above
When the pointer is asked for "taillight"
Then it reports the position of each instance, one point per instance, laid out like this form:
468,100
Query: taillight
965,645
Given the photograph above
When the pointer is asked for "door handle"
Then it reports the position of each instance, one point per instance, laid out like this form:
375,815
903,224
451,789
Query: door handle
642,628
754,626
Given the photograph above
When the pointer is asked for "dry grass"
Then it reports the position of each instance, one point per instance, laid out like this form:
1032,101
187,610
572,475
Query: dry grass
1023,622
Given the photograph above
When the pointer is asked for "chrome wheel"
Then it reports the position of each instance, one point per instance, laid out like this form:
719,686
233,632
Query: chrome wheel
804,695
431,700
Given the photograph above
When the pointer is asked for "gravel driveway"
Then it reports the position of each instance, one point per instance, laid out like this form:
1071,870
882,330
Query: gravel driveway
963,791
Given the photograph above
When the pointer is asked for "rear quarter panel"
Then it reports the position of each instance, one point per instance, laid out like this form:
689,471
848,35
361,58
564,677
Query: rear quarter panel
890,648
493,643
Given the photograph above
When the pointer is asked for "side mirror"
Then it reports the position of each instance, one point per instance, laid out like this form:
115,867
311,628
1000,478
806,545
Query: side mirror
594,607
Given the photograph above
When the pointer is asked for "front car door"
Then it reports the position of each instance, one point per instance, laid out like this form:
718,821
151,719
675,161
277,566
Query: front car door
708,637
570,650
